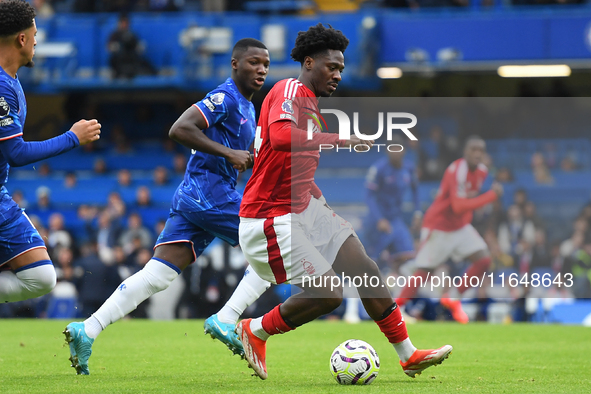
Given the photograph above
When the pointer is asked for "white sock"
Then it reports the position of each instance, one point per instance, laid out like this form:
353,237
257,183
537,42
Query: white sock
27,282
250,288
405,349
92,327
153,278
256,326
352,308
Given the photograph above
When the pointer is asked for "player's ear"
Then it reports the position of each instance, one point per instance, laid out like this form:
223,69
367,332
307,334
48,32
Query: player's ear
308,63
234,63
21,38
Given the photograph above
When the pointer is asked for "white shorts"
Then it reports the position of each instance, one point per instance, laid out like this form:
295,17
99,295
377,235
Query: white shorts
438,246
289,247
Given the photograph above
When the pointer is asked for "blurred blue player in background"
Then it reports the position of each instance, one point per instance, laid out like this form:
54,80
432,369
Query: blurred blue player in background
387,238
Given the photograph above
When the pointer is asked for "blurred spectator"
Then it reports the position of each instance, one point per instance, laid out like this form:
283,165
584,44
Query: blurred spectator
44,170
43,199
169,145
516,234
19,198
115,206
530,213
570,245
100,166
58,236
70,180
568,164
520,198
106,237
504,175
179,163
160,176
126,60
63,264
540,169
135,229
43,8
500,261
124,178
159,227
580,267
540,252
435,154
119,139
143,197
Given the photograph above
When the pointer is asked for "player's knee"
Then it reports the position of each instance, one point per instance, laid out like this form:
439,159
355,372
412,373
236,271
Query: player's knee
158,284
334,301
39,280
48,282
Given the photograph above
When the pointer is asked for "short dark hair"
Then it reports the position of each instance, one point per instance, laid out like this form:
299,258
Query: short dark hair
318,39
473,137
15,16
242,45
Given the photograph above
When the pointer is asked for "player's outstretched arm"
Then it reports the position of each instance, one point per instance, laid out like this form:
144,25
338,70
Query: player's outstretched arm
187,130
461,205
19,153
286,137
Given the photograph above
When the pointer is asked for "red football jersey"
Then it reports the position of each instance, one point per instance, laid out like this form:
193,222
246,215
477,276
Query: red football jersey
455,201
281,179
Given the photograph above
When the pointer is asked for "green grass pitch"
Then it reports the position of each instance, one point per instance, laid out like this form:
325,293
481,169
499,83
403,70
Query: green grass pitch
169,357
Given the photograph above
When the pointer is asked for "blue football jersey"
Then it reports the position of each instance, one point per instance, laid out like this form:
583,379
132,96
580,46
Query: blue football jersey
386,188
13,112
211,180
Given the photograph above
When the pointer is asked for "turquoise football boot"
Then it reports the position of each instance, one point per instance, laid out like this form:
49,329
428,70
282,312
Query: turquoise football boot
80,347
225,333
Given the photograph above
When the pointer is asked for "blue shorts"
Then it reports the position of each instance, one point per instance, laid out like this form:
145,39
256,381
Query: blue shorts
202,227
17,233
397,242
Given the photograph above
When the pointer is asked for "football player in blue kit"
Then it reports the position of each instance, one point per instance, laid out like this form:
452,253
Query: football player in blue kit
27,271
387,238
220,129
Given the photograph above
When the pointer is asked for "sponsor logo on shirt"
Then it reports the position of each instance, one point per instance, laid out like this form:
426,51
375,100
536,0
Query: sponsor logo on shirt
4,107
209,105
218,98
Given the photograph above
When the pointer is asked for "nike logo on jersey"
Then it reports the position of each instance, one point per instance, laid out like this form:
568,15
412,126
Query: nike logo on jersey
243,120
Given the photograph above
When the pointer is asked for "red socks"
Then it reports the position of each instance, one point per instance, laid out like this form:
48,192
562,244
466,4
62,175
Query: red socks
477,268
393,327
411,289
273,323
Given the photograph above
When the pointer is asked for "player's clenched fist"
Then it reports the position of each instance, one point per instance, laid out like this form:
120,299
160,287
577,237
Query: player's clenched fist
497,188
87,130
240,159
